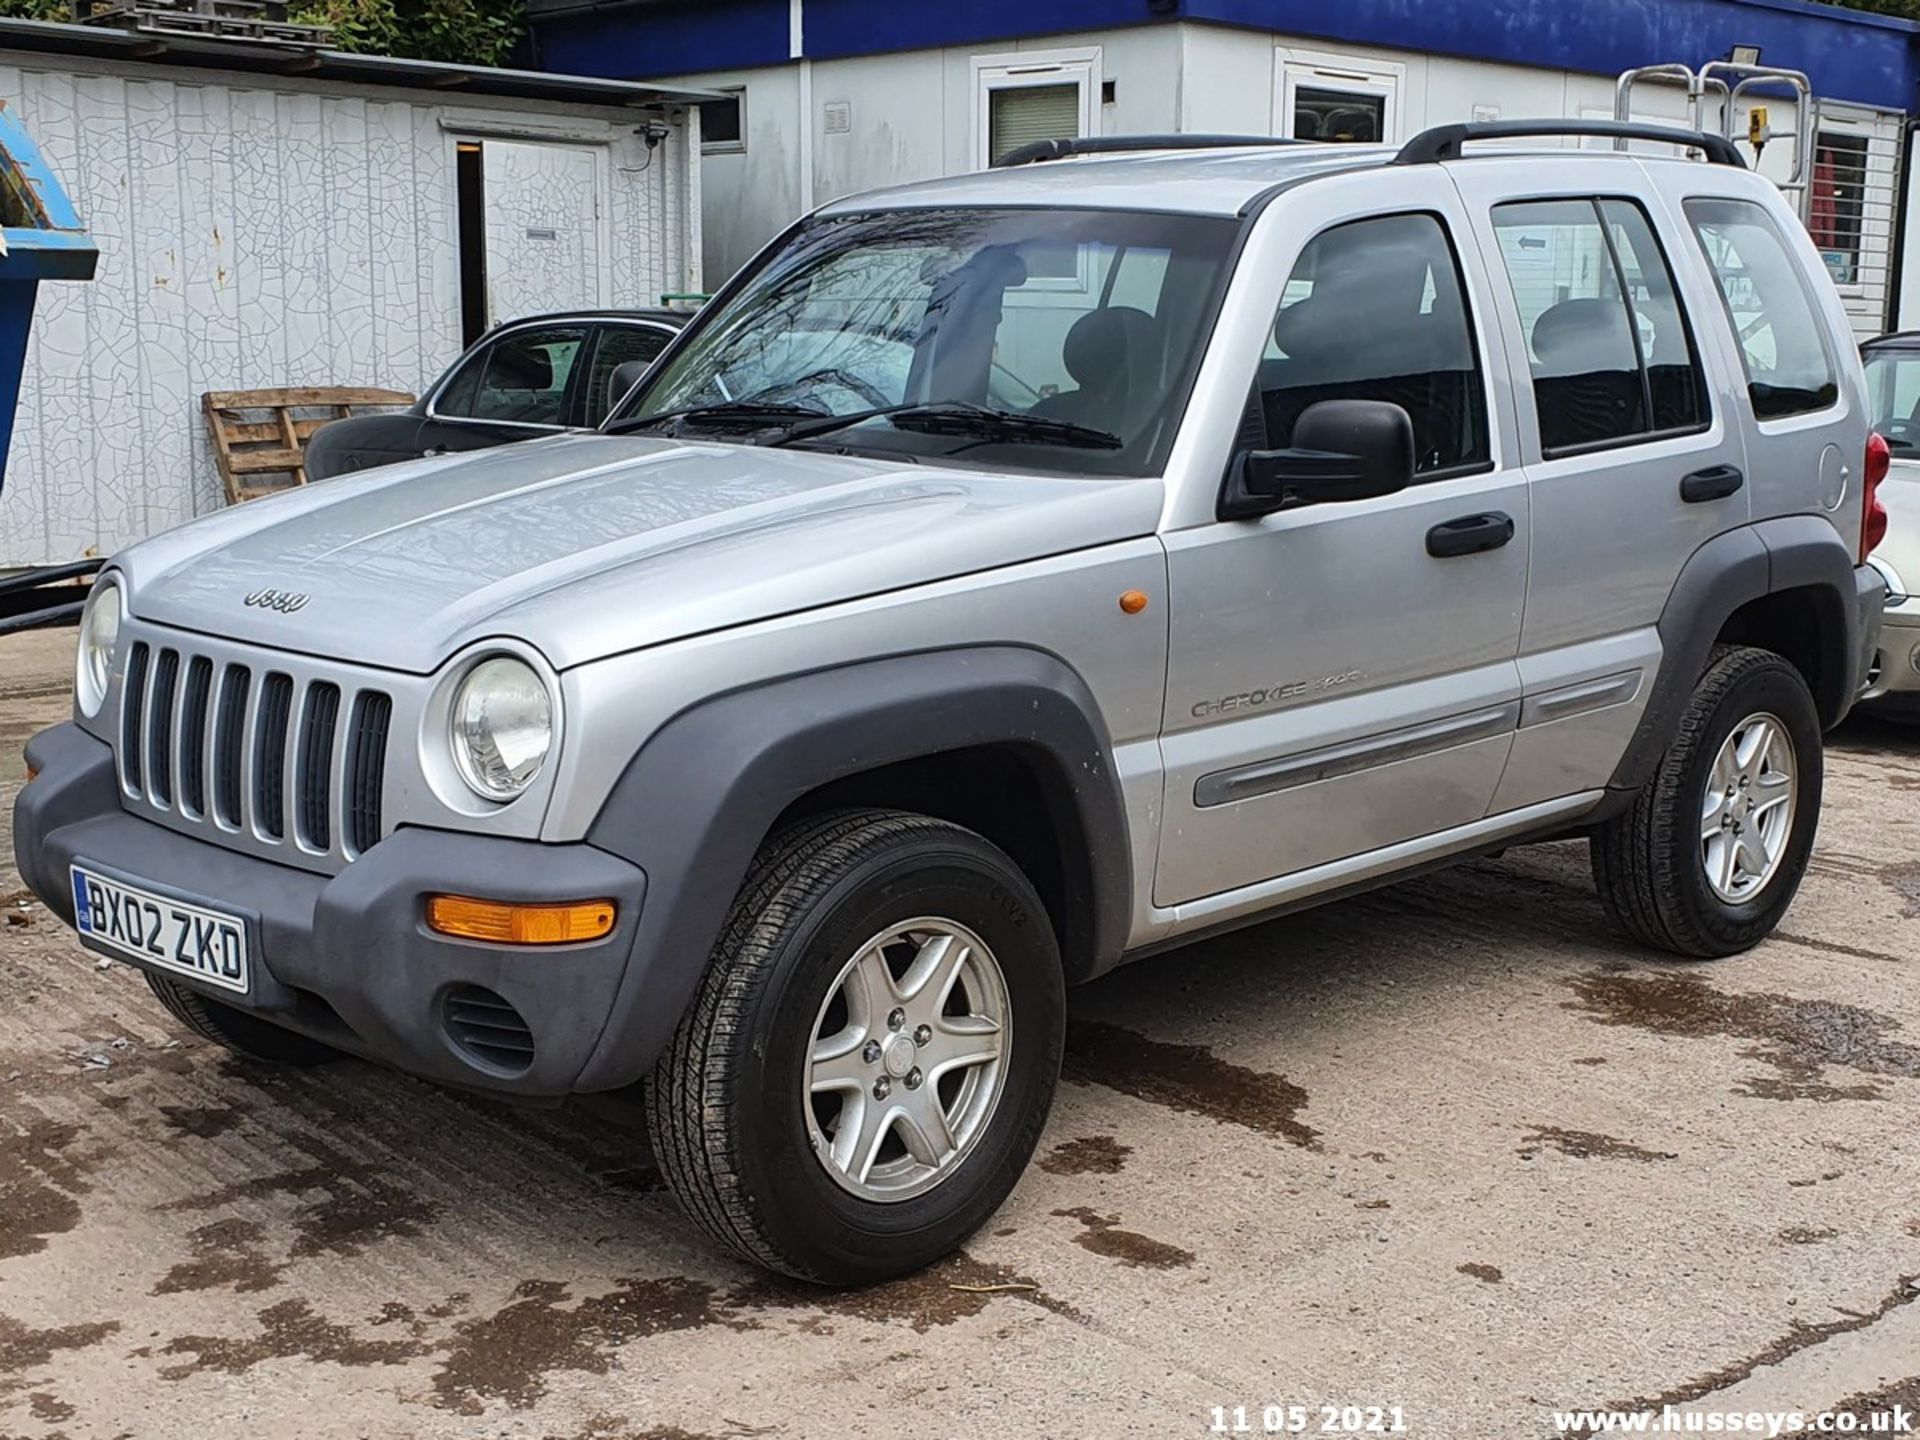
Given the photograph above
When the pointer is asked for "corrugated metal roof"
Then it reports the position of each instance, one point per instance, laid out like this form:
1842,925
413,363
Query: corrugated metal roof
304,63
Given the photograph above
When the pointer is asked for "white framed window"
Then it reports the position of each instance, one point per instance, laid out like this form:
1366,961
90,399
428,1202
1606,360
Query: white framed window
1032,95
1337,98
1852,189
723,124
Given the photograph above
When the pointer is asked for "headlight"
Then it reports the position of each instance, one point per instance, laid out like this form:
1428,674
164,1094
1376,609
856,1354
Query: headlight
99,636
502,727
1896,587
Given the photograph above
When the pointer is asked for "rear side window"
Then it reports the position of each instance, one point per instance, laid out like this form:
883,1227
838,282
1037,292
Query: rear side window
1789,369
1608,345
1375,310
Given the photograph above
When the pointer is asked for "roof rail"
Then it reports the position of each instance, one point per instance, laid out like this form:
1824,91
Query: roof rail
1444,142
1041,150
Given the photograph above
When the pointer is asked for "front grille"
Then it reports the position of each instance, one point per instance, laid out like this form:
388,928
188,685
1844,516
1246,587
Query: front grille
270,757
193,737
254,757
367,767
316,764
488,1028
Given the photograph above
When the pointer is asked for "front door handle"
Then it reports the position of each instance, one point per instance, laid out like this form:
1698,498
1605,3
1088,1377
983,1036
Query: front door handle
1470,534
1716,482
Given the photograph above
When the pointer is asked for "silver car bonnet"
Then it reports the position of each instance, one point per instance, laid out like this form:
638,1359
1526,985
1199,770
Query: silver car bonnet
589,545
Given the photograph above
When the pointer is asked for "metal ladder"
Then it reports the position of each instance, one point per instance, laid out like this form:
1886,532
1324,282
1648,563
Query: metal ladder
1724,83
1844,186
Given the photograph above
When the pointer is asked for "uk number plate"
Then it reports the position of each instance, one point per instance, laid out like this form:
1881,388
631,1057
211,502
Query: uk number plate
168,934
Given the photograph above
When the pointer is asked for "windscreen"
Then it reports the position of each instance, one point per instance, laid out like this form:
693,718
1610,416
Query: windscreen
1091,321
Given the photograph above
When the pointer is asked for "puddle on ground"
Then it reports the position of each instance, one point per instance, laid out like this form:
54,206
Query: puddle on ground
39,1185
44,1405
23,1348
287,1330
1103,1236
362,1206
508,1355
203,1122
1587,1145
1187,1078
225,1253
1087,1155
1800,1039
955,1289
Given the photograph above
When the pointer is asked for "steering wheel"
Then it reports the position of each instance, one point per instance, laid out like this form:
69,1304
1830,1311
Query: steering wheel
871,395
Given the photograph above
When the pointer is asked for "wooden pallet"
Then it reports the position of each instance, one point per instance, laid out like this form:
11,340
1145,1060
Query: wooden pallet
260,20
260,436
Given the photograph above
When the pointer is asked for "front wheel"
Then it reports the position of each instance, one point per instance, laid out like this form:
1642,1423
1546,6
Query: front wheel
872,1054
1712,851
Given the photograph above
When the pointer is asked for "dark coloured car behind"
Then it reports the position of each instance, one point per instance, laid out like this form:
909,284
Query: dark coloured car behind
523,379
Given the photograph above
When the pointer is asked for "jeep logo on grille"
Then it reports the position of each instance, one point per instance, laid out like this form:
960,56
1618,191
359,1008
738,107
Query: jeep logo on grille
285,601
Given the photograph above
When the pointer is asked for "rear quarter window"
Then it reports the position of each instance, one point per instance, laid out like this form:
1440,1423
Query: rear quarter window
1783,344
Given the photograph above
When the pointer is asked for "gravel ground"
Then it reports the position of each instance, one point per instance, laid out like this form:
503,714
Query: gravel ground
1454,1147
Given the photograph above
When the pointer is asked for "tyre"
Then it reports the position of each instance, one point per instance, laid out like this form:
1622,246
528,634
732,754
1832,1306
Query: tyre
1712,851
872,1053
237,1030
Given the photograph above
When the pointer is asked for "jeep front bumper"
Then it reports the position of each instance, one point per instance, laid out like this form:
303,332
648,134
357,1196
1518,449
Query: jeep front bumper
348,958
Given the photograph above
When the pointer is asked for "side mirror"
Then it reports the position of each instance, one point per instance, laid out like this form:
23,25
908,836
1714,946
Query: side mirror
1342,450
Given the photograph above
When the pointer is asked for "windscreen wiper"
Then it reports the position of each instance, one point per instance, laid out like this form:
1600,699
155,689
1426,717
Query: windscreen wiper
732,412
954,417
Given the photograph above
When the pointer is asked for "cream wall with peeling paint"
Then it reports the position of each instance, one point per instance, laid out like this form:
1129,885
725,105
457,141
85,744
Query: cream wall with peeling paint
256,232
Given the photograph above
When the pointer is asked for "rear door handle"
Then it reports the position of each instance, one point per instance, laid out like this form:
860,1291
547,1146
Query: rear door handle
1716,482
1470,534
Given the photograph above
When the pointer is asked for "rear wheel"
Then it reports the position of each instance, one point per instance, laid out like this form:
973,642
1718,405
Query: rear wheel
1712,851
872,1054
237,1030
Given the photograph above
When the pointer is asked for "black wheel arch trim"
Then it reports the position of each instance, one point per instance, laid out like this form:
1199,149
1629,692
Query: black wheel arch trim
1735,568
696,801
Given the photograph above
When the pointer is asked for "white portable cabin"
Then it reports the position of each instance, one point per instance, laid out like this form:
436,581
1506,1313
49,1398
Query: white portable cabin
827,97
269,216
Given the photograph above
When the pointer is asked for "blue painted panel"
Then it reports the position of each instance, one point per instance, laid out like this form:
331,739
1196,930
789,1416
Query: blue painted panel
645,42
16,319
864,27
1872,59
1870,63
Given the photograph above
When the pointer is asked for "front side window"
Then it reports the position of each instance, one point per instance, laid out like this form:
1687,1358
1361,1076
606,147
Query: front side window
1789,370
620,348
1608,346
520,379
1893,392
1078,330
1374,310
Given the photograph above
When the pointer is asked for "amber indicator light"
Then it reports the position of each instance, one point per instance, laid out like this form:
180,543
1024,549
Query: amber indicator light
504,924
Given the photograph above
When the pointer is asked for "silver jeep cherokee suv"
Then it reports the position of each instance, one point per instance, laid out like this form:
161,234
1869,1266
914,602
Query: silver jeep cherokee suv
789,745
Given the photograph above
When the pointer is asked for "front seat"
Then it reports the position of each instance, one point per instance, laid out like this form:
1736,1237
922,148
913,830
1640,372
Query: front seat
1586,374
1114,357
